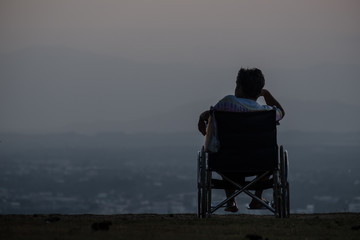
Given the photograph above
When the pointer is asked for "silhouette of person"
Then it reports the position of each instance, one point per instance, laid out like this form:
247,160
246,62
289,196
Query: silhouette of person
249,87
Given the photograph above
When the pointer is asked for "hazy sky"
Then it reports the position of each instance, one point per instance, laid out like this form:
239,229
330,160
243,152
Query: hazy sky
86,65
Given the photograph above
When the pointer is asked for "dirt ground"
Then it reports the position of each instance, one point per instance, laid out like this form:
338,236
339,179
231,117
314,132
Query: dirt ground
180,226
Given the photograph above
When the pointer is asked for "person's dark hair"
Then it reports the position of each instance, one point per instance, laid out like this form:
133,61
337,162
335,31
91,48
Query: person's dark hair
251,81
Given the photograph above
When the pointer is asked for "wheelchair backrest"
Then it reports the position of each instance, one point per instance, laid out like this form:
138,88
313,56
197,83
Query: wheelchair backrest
248,142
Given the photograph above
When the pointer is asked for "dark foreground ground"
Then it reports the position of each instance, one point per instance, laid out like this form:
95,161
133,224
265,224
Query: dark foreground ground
180,226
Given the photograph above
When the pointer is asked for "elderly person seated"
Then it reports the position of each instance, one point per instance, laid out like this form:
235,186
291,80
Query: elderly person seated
249,87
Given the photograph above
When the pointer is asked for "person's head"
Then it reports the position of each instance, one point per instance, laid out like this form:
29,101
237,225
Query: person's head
249,83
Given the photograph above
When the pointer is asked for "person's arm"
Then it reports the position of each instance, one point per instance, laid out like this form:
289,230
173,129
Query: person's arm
271,101
203,119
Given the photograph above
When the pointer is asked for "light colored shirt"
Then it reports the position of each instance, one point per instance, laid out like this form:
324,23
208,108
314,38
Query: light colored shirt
231,103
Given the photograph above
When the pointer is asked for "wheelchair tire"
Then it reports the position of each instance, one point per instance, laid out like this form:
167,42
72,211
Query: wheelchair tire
198,184
287,186
285,198
202,193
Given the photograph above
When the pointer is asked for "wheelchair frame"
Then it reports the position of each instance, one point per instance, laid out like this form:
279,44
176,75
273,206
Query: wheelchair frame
280,205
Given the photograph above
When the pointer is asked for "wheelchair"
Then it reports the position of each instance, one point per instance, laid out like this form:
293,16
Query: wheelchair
247,147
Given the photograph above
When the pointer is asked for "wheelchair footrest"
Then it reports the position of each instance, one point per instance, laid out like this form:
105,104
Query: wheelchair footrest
223,184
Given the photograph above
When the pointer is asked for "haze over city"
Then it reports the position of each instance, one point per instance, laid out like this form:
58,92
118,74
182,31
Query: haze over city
99,100
132,66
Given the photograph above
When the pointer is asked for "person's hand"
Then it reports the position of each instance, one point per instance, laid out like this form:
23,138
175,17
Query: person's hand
271,101
202,126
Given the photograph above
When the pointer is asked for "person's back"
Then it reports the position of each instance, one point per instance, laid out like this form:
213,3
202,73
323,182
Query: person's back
249,87
231,103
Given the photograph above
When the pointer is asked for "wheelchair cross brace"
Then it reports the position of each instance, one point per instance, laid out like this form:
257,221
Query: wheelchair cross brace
245,190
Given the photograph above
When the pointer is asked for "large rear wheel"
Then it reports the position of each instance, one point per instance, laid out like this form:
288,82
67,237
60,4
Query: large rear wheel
285,195
287,186
202,193
198,184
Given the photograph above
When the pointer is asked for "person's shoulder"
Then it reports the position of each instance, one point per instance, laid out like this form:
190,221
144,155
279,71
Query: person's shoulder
228,98
225,101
